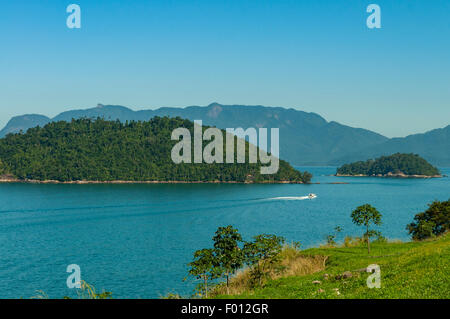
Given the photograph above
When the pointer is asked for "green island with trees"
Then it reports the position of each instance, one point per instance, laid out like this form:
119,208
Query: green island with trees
86,150
395,165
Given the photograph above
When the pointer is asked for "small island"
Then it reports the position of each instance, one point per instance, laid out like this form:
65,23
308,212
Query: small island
87,151
396,165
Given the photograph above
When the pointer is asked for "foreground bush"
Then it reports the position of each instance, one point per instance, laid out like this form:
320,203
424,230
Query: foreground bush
433,222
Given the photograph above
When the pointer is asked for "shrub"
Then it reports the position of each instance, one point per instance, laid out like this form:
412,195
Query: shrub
261,253
433,222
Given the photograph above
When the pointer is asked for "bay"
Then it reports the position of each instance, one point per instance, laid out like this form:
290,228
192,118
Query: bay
136,240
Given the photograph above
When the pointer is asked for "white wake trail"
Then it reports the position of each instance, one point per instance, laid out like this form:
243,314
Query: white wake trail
290,198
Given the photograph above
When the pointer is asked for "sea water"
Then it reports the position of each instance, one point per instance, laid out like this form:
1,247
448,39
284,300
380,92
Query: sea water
136,240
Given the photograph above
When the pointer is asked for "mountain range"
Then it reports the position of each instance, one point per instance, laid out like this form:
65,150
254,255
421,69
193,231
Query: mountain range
305,138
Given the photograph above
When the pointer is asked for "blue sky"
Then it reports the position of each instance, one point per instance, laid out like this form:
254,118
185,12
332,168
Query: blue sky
316,56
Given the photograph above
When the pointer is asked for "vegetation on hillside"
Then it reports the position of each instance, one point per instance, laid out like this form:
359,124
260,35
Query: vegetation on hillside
110,150
86,291
2,168
230,253
396,164
412,270
275,270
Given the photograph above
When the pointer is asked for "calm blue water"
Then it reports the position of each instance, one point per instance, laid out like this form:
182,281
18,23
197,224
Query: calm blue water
135,240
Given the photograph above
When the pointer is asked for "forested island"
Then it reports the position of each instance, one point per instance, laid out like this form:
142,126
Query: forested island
89,151
396,165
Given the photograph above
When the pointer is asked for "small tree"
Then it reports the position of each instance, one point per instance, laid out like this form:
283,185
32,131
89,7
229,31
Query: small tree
229,255
366,215
203,267
263,252
331,238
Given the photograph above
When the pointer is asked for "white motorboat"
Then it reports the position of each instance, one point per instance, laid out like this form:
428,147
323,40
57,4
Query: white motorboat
311,196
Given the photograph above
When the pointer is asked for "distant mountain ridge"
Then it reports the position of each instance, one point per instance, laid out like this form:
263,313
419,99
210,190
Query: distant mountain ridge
23,123
433,145
305,138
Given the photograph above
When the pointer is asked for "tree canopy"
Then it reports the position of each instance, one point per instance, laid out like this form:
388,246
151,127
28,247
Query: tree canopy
407,164
367,215
433,222
261,253
100,150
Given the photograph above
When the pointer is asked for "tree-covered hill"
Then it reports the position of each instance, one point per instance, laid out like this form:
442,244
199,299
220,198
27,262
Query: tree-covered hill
395,165
100,150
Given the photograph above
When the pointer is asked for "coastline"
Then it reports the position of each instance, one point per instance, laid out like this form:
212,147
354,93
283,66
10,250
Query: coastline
390,175
13,180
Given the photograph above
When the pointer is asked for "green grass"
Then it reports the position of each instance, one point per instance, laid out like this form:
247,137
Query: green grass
408,270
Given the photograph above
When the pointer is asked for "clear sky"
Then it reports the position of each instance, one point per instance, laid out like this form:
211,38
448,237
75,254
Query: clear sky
316,56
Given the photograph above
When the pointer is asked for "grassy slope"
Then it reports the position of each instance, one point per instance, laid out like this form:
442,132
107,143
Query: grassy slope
408,270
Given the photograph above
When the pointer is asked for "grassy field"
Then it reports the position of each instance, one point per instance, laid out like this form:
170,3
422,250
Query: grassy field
408,270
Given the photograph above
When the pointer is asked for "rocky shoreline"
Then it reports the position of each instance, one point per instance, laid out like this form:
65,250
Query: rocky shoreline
27,181
390,175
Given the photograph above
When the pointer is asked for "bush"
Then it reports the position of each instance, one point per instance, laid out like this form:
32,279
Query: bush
262,253
433,222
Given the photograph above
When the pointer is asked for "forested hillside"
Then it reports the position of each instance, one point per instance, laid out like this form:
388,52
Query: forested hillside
396,164
100,150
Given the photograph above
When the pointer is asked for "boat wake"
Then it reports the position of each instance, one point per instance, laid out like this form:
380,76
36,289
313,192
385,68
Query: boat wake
289,198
